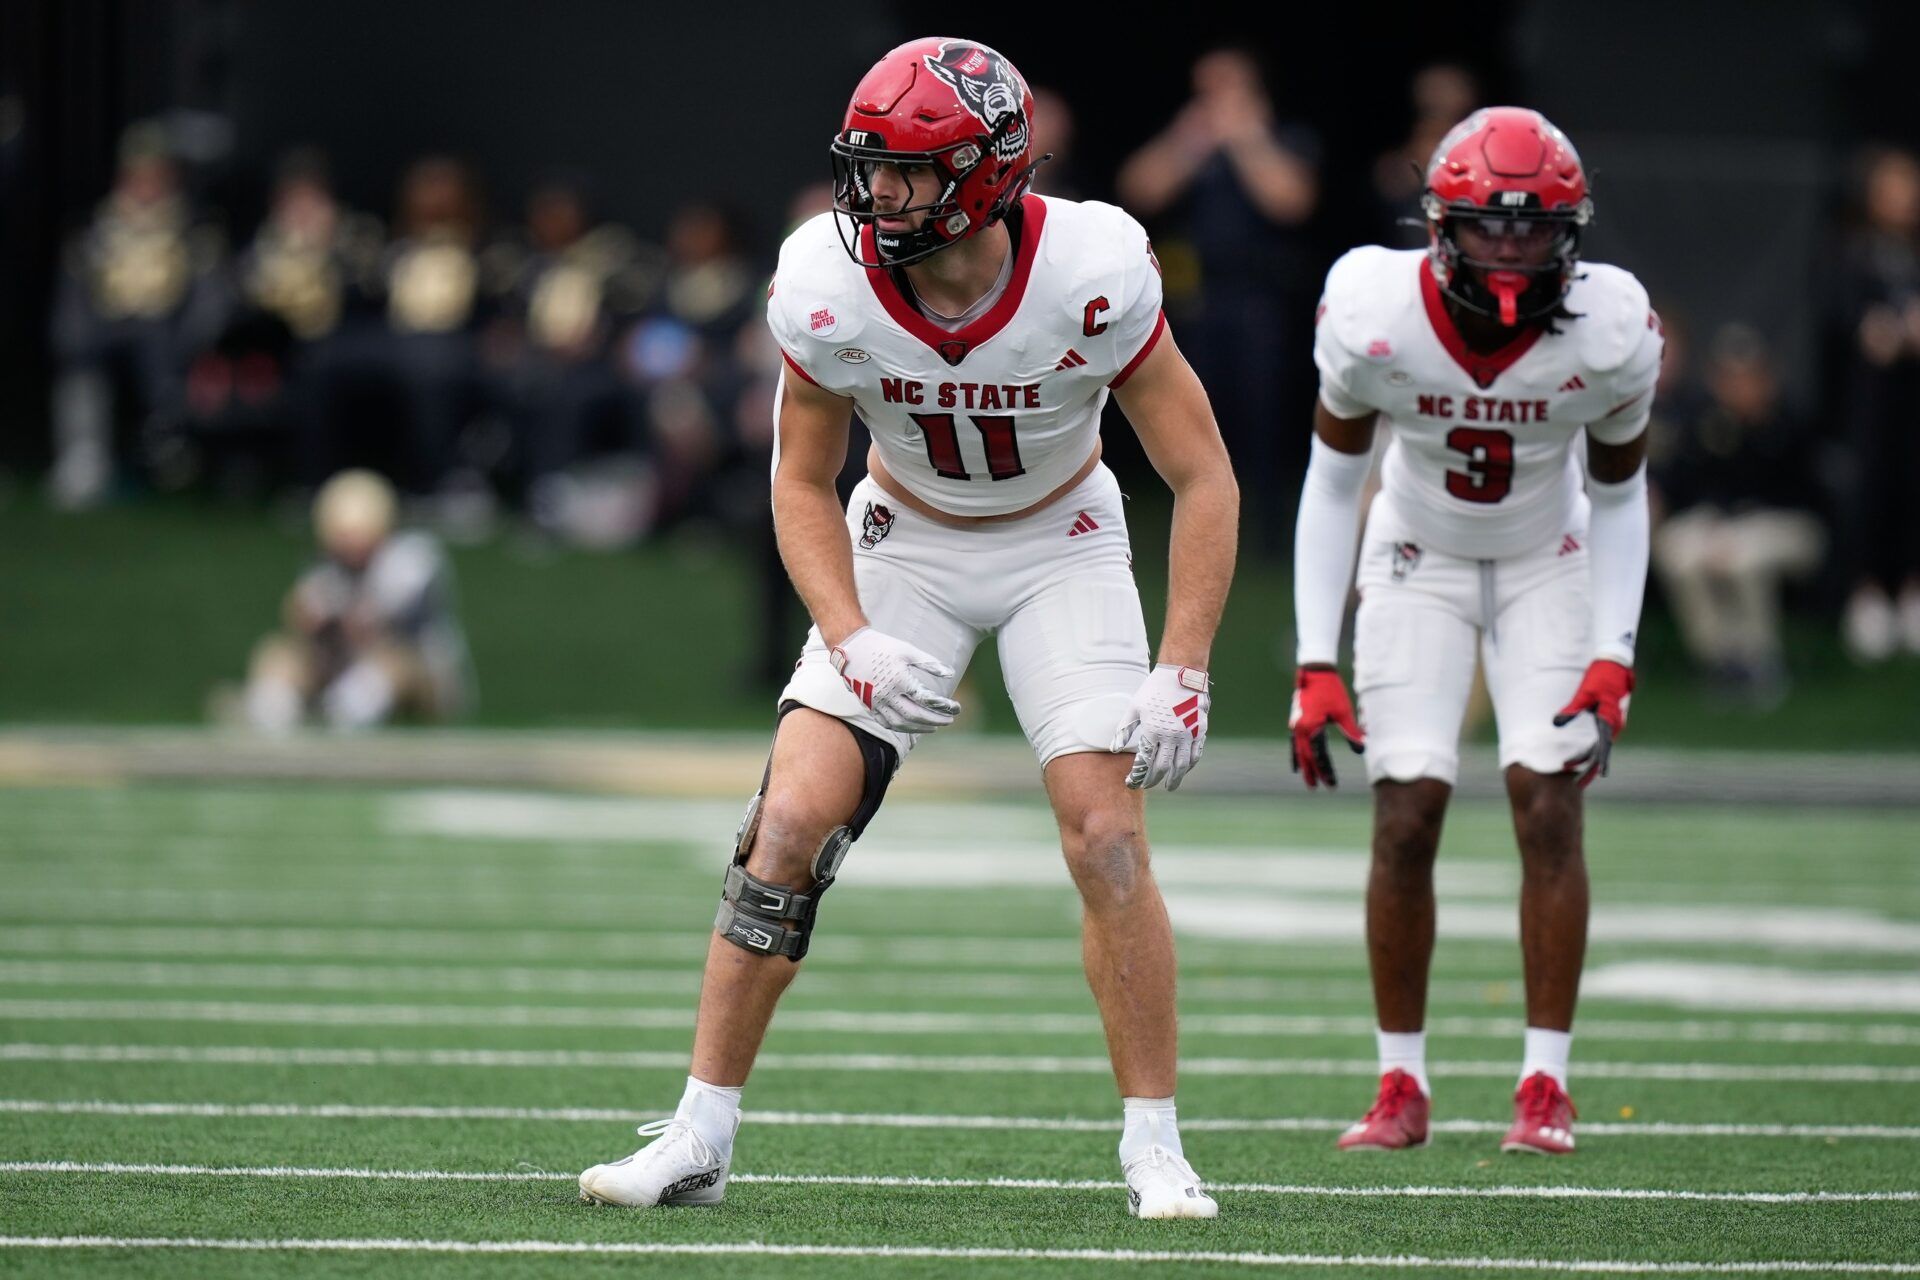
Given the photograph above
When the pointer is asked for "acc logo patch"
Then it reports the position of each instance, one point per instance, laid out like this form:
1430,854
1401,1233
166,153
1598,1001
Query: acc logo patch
853,355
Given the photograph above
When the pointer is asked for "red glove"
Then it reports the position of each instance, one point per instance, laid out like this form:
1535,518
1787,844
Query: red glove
1319,699
1605,690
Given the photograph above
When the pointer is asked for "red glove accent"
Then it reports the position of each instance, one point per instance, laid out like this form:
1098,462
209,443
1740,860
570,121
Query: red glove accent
1319,699
1605,691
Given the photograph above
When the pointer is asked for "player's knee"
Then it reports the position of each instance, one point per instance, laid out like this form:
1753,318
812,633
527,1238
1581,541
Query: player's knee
1546,820
1106,852
1406,831
788,834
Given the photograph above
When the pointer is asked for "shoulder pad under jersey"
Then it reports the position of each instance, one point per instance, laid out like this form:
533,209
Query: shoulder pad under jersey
1367,289
819,298
1614,315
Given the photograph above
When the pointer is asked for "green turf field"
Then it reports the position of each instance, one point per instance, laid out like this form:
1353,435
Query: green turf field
288,1014
115,617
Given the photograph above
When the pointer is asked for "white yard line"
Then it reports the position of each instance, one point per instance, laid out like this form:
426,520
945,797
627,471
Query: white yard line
1399,1262
855,1119
851,944
1014,1184
904,1022
625,979
884,1120
848,980
1694,984
937,1064
1207,896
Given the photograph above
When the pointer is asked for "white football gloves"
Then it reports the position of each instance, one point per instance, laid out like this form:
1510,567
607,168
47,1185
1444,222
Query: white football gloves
885,673
1166,726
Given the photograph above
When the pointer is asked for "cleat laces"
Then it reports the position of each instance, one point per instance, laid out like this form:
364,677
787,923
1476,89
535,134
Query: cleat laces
702,1151
1538,1097
1394,1094
1157,1159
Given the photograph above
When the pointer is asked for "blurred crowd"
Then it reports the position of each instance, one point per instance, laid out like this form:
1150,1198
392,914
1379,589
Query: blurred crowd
1760,500
560,365
561,368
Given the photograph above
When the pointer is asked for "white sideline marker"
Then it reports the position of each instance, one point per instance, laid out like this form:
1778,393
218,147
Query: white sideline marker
1013,1184
881,1120
1398,1262
934,1064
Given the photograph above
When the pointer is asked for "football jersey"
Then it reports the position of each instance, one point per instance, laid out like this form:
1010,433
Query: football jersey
994,415
1480,462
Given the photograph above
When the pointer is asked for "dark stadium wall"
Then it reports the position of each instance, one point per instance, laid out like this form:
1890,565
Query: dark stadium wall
659,104
1717,129
1716,150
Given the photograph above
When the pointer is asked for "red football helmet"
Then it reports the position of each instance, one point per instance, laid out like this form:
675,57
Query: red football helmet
1512,173
954,105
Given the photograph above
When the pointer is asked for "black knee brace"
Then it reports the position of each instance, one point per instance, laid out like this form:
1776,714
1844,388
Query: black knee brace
753,912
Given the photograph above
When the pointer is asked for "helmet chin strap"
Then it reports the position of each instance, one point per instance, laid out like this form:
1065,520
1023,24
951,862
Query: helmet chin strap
1506,287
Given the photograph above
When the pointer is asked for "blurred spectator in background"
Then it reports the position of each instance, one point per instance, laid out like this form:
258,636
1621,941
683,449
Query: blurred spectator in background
1880,331
1442,95
1735,485
1053,127
1246,186
418,363
370,632
310,255
570,286
309,262
681,358
139,290
781,618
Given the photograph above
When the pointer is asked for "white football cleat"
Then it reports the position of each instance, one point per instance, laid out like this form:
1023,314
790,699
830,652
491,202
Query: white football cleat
677,1167
1161,1184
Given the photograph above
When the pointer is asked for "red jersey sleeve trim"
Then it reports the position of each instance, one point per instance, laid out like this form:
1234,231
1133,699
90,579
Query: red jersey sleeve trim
1624,404
1146,348
795,366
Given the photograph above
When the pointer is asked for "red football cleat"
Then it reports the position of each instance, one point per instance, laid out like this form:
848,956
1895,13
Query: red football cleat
1542,1118
1398,1119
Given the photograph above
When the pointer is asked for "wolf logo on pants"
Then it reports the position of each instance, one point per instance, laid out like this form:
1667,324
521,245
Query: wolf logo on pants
875,525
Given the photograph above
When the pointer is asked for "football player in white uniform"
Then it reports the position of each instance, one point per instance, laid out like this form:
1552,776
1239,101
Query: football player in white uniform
978,330
1488,356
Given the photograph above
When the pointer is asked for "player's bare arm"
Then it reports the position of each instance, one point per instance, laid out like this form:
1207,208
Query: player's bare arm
1166,724
808,518
1169,410
1343,435
812,532
1616,463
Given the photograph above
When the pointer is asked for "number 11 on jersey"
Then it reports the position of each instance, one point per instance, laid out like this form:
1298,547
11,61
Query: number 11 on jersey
943,445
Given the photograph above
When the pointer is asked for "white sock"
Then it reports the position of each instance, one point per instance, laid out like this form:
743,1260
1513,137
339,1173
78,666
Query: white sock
359,698
1547,1051
273,706
1404,1051
713,1110
1149,1123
